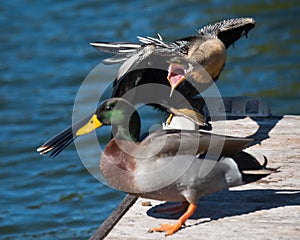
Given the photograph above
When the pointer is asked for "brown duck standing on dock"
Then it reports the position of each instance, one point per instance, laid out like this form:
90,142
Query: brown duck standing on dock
167,165
198,59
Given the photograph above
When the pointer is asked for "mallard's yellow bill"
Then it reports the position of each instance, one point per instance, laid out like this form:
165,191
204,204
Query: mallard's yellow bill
92,124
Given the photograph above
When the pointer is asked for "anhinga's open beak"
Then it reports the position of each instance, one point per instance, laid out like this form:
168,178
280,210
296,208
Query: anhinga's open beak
176,75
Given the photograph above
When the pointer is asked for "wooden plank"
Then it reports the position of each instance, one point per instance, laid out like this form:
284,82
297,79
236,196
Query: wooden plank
112,220
267,209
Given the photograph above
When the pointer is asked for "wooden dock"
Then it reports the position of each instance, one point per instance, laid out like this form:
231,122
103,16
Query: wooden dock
267,209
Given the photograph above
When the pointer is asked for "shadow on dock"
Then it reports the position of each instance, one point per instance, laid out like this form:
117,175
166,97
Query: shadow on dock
233,203
265,125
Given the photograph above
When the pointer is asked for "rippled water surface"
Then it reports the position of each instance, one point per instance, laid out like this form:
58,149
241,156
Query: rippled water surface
45,56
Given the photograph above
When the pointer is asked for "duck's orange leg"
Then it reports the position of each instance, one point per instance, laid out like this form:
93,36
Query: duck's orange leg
169,229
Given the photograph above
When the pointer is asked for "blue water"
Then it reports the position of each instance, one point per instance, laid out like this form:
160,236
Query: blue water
44,58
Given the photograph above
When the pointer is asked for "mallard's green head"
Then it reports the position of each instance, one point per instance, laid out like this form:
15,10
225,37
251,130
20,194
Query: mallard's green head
118,113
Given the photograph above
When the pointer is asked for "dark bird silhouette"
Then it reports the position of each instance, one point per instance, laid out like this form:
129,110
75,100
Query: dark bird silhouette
198,59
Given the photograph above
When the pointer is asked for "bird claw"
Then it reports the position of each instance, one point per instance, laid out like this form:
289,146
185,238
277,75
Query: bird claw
169,120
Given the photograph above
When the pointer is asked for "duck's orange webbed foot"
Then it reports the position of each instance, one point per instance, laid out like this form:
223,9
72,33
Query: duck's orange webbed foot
169,229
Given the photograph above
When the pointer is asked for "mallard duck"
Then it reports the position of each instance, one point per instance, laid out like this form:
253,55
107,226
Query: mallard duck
198,59
168,165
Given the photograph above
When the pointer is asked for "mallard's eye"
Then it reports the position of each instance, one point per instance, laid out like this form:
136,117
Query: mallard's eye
107,108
